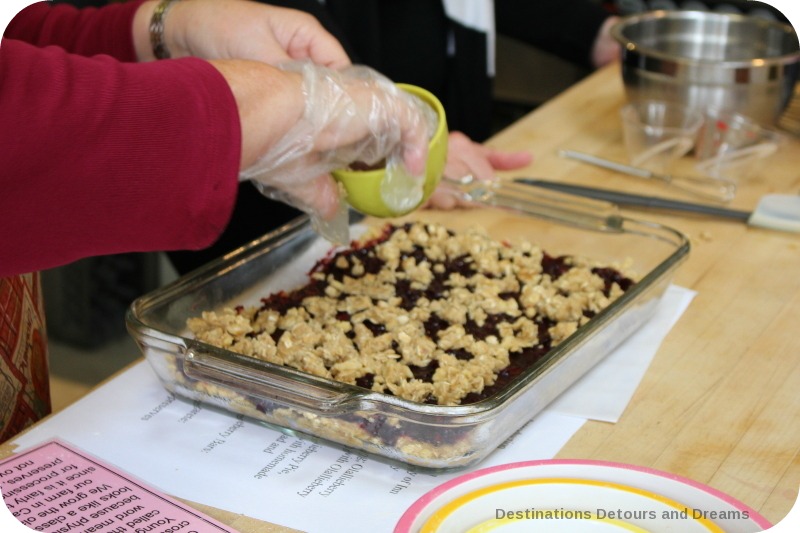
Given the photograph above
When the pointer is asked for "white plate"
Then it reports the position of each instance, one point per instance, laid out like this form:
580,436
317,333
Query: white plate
483,499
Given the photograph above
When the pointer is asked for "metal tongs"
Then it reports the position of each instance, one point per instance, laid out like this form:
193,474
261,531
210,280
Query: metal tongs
566,208
715,189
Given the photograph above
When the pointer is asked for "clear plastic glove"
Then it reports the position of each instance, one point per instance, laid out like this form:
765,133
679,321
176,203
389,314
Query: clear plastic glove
351,115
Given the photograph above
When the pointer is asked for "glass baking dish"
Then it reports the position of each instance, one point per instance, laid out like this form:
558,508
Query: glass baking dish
428,436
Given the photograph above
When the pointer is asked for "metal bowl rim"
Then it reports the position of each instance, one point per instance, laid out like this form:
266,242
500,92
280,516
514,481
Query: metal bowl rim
629,46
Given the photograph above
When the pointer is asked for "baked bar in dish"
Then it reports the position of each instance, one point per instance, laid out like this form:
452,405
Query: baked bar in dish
422,313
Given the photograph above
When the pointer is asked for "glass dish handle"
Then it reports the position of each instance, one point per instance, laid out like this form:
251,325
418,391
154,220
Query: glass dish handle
245,375
548,204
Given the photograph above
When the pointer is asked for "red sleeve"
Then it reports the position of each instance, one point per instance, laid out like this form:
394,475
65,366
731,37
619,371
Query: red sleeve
102,157
87,31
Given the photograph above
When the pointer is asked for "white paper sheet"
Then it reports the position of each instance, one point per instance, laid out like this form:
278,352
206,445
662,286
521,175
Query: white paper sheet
613,382
210,457
207,456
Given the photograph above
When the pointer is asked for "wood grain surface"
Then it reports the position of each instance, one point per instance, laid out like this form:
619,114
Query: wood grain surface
720,402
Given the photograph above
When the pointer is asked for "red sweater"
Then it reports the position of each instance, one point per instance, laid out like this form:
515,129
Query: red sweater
101,155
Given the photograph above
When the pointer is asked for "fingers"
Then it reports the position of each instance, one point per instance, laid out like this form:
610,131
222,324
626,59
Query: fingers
362,116
445,198
509,160
468,158
328,52
263,32
345,116
415,150
302,37
401,124
314,43
605,48
321,196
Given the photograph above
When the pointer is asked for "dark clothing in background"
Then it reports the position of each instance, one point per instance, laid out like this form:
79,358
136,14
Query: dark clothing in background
408,41
413,41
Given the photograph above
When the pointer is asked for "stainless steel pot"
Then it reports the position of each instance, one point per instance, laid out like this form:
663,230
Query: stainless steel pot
710,60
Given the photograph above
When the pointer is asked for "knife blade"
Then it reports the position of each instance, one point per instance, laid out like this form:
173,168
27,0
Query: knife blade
774,211
636,200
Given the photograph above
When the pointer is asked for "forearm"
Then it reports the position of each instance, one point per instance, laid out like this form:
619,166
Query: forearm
140,30
95,170
87,31
269,103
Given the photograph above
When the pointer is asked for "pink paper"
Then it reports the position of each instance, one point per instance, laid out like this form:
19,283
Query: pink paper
56,488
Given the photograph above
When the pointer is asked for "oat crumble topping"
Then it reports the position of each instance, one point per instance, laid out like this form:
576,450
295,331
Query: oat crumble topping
422,313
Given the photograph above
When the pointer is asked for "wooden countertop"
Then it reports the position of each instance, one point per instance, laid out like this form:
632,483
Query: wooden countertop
719,403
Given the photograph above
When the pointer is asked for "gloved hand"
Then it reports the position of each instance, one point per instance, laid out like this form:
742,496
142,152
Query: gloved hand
351,115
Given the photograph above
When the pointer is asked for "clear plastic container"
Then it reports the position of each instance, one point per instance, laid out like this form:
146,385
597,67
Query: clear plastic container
734,147
429,436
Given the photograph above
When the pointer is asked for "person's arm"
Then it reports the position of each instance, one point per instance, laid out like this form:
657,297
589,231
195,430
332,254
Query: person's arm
237,29
211,29
101,157
87,31
133,158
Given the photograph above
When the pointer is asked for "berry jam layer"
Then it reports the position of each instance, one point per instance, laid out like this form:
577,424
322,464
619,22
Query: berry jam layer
423,313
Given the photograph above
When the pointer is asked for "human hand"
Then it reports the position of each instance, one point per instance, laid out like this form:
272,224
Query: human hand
605,49
468,158
239,29
331,119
